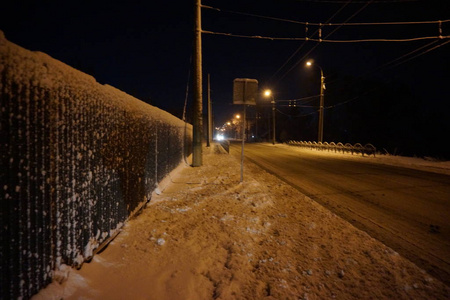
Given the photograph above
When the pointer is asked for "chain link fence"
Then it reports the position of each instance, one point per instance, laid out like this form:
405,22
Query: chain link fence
78,159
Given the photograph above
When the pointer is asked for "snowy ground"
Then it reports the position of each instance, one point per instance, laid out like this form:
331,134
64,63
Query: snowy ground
426,164
207,236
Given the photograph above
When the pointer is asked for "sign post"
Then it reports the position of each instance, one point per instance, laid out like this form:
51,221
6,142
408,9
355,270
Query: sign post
245,91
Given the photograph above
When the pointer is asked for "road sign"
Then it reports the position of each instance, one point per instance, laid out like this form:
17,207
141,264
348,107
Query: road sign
245,91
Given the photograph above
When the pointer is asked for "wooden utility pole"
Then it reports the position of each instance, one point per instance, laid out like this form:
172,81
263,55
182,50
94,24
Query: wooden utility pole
322,87
273,120
210,125
198,102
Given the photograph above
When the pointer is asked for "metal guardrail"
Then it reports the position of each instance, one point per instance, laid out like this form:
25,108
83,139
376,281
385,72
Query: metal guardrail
357,148
77,160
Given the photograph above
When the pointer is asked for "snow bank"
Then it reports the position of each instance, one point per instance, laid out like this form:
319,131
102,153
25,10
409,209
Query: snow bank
78,159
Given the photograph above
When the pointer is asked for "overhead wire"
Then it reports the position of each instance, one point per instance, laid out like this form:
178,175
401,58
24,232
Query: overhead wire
298,115
420,54
351,100
315,46
324,40
300,99
440,37
327,23
279,19
254,15
355,1
304,43
394,63
388,65
384,23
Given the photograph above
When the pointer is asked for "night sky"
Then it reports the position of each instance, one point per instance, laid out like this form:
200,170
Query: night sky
144,48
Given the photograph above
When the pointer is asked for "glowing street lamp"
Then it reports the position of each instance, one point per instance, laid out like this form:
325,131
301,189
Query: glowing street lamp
268,93
322,88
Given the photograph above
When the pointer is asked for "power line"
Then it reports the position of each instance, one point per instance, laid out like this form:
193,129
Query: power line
391,64
253,15
385,23
352,99
304,43
289,105
420,54
327,23
354,1
349,18
320,33
300,99
298,115
386,65
324,40
395,65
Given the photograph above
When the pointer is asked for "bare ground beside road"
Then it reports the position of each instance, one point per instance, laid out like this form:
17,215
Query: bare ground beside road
207,236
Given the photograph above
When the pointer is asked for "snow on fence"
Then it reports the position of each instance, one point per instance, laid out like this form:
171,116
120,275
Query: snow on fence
77,160
357,148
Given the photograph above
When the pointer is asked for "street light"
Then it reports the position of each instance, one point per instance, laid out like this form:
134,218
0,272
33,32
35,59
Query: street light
268,93
322,88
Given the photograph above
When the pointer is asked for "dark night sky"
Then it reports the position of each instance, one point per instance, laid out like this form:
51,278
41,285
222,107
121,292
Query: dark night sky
144,49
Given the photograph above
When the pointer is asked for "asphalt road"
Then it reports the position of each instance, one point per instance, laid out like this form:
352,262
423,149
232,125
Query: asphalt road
406,209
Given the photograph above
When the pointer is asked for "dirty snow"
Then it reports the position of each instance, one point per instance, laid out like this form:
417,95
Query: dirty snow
207,236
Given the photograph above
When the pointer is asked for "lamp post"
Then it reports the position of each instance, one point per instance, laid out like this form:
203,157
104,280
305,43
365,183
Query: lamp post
322,88
268,93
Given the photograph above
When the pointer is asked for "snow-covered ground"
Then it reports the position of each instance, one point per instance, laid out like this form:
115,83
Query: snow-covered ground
208,236
426,164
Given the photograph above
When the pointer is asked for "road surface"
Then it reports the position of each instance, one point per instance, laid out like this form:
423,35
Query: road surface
406,209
